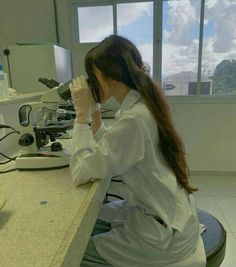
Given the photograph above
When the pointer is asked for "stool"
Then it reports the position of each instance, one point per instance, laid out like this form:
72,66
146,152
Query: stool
214,239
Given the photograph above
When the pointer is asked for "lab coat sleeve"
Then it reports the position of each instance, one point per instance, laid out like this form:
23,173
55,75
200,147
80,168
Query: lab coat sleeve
100,132
118,150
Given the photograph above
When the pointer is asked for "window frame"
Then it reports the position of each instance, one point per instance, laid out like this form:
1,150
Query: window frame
157,45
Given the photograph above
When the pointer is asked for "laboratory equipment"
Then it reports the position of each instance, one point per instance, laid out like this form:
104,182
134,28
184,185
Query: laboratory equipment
41,123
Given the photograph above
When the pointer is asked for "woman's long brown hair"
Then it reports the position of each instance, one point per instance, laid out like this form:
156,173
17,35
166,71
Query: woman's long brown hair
119,59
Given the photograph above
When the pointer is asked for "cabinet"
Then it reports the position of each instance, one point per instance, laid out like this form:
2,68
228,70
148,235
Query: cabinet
25,64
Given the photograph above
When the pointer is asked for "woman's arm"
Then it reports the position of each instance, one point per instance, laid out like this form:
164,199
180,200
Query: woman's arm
118,150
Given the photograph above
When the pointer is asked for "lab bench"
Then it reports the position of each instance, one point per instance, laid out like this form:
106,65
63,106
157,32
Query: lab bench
47,221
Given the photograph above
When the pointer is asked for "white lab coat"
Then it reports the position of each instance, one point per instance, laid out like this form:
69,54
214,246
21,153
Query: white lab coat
130,148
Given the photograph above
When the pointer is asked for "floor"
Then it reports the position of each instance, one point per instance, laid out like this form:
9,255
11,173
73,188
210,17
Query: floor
217,195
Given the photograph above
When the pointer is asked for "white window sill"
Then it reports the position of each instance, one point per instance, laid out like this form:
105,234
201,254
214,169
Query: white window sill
202,99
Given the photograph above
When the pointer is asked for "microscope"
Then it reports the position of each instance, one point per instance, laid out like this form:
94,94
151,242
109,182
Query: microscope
41,123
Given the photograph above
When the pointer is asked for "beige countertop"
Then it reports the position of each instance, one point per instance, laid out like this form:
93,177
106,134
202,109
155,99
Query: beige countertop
47,221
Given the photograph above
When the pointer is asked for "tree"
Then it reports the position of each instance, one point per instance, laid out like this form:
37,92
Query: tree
224,78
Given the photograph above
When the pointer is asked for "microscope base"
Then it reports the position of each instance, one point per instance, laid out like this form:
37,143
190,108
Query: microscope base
42,160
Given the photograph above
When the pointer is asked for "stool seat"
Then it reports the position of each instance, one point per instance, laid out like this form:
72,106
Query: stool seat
214,239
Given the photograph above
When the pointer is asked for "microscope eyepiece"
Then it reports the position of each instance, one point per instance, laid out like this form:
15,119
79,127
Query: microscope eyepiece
49,83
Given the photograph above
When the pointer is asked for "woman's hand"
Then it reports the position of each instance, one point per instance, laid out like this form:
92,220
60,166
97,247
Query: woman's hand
83,101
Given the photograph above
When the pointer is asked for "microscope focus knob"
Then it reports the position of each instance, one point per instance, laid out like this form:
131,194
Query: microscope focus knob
26,139
56,146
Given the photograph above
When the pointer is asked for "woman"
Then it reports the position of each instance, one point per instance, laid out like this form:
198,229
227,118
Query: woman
157,224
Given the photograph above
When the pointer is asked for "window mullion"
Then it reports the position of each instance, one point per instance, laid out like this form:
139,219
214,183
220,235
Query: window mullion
157,39
115,30
199,72
76,25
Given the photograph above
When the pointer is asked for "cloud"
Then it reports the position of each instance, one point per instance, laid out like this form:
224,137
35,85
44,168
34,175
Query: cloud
95,23
210,56
182,16
178,58
185,58
125,17
210,3
181,53
222,15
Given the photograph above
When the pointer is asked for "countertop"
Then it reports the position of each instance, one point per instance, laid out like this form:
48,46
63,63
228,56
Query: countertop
47,221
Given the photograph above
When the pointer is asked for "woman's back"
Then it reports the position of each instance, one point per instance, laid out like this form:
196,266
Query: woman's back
157,217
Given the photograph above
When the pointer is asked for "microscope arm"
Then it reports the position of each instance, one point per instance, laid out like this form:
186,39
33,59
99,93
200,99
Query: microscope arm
64,91
53,97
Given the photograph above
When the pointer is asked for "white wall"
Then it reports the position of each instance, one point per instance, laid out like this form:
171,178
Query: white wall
26,21
79,51
207,129
209,134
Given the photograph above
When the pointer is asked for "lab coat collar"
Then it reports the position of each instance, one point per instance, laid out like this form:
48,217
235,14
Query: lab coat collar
130,99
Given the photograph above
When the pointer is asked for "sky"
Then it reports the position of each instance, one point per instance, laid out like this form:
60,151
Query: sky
180,31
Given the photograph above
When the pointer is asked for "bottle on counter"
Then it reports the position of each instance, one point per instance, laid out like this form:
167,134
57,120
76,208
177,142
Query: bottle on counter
4,90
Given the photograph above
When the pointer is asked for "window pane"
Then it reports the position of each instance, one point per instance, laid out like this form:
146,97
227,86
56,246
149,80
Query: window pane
135,22
95,23
180,47
219,46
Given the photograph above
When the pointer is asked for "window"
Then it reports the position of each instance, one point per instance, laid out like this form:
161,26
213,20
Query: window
180,46
96,22
219,46
189,44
